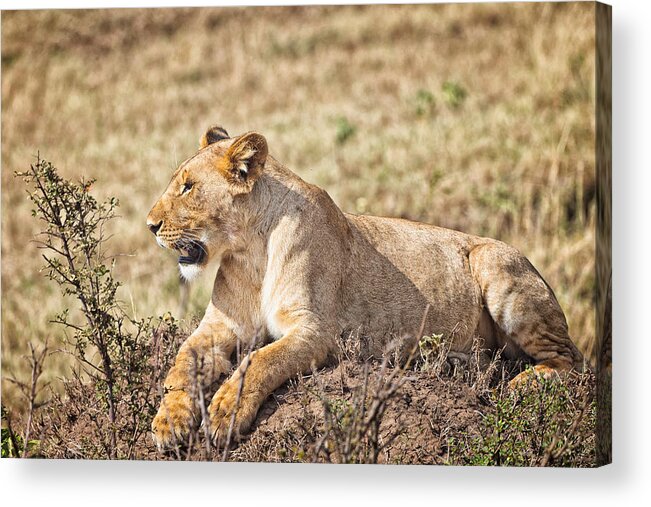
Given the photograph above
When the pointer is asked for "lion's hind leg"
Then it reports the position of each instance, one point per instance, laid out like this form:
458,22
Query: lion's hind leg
524,310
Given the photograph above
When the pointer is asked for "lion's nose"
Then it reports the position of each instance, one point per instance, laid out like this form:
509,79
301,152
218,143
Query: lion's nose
154,228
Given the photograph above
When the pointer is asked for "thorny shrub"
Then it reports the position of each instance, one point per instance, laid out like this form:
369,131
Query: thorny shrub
119,360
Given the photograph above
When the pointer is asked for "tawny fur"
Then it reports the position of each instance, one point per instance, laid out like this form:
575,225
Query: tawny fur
295,273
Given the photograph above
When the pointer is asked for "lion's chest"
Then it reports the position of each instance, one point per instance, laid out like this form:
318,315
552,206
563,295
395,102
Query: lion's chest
272,314
285,300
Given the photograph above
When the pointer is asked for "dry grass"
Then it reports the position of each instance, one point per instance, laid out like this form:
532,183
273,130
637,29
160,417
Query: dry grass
476,117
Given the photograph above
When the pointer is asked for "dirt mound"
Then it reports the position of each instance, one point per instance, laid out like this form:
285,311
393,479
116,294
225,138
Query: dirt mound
318,418
367,412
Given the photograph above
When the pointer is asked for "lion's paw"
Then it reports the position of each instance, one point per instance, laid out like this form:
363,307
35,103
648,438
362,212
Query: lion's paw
174,421
530,377
226,402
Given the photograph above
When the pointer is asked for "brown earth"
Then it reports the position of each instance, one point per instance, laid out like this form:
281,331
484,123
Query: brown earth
436,412
424,412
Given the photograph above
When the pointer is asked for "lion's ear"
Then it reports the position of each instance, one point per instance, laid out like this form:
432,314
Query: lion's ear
244,161
212,135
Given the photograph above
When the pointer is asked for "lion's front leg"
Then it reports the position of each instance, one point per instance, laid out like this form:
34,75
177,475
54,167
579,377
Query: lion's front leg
201,360
237,396
258,376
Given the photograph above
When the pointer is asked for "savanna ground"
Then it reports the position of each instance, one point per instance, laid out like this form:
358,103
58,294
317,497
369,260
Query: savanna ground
474,117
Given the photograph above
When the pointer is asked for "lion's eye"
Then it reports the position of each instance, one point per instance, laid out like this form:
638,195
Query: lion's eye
186,187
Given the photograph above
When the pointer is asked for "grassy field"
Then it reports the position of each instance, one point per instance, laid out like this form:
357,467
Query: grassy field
474,117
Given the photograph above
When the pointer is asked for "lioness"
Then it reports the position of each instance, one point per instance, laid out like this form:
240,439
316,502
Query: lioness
295,273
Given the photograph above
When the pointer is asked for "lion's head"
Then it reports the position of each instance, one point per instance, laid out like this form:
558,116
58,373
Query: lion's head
196,215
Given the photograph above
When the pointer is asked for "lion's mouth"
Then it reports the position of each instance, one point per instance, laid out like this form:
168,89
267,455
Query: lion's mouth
192,252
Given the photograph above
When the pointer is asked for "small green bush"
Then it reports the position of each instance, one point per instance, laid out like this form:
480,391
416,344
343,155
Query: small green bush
549,422
345,130
454,94
424,103
13,445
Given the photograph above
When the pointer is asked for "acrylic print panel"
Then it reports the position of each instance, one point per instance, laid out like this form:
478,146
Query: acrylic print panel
284,320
